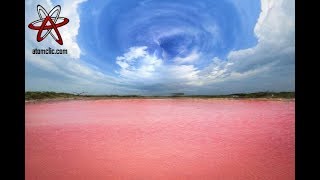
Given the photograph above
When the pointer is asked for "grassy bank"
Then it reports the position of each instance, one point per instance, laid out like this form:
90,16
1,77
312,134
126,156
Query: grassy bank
36,95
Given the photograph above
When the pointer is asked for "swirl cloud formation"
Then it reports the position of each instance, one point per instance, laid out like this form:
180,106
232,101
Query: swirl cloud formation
164,46
175,31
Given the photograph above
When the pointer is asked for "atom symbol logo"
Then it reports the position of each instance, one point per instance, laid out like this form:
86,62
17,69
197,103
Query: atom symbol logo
52,17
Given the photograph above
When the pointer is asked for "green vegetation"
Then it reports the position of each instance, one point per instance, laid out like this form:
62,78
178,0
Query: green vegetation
36,95
47,95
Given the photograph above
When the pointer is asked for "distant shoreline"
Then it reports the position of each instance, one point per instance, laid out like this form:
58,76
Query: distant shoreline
149,98
56,97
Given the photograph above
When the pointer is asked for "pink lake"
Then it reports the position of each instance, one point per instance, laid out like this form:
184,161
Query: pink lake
160,139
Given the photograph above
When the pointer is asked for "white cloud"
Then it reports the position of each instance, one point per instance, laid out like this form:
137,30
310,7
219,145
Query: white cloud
138,66
187,74
134,53
275,31
188,59
272,57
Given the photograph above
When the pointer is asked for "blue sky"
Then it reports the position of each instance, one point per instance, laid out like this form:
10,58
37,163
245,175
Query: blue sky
158,47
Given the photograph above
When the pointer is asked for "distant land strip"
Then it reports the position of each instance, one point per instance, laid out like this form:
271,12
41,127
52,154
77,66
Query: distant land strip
47,95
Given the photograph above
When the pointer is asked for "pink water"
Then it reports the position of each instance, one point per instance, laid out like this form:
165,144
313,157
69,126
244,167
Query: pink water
160,139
